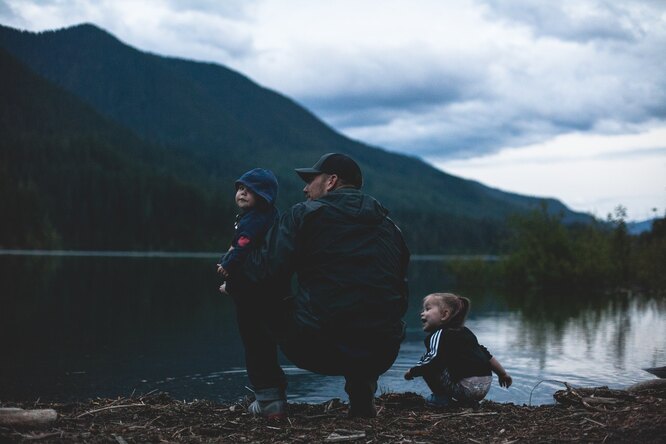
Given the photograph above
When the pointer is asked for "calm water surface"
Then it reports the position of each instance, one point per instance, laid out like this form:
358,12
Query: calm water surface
76,328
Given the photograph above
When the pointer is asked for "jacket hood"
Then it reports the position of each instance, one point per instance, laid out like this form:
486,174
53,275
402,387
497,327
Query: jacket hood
359,206
261,182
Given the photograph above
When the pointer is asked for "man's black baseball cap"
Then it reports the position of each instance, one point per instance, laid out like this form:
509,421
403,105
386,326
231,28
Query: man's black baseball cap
334,163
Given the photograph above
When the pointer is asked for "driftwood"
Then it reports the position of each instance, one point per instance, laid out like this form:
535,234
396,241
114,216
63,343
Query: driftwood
651,384
15,417
597,399
659,372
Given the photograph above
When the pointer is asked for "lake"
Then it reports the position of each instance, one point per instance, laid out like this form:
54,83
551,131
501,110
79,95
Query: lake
83,327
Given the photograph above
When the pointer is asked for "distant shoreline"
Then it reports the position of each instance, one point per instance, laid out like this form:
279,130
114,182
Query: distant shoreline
110,253
207,254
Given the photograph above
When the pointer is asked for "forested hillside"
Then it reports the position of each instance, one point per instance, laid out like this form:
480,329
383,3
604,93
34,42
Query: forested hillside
71,178
142,151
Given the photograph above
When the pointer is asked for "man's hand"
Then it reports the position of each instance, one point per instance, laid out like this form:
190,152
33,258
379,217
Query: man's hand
408,375
222,271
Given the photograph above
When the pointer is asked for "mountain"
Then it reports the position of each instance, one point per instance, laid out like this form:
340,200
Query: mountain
638,227
202,125
72,178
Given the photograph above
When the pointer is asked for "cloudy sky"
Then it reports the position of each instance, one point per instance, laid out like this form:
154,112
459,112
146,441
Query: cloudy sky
563,98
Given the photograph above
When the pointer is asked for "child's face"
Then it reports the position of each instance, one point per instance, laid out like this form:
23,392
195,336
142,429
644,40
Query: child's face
245,198
434,314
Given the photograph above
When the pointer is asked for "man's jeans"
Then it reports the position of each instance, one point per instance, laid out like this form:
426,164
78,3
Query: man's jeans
263,326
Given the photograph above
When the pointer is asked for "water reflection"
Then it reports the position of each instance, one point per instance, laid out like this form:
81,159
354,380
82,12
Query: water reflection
85,327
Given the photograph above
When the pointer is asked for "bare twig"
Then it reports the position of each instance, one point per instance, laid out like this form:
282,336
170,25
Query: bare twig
451,415
600,400
323,415
145,395
90,412
178,432
544,380
119,439
39,436
594,422
348,435
152,420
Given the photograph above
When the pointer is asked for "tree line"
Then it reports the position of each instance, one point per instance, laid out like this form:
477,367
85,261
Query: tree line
542,255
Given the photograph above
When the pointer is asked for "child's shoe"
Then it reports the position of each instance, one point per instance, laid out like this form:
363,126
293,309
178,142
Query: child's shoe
270,403
438,401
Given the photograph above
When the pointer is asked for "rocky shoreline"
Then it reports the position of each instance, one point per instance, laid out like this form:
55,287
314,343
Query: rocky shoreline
580,414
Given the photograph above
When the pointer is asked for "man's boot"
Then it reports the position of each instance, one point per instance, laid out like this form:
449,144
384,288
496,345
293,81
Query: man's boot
361,393
270,403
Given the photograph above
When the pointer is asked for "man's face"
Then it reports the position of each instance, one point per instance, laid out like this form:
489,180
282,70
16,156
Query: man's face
318,186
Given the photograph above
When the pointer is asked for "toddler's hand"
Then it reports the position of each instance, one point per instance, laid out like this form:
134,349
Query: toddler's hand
223,288
505,380
222,271
408,375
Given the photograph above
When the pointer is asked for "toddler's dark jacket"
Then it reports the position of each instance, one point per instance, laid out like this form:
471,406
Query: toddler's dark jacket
456,350
251,226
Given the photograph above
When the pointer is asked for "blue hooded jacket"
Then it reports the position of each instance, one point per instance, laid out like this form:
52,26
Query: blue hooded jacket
251,225
262,182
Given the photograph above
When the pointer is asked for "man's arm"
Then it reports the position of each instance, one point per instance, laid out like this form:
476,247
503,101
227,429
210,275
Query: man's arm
277,255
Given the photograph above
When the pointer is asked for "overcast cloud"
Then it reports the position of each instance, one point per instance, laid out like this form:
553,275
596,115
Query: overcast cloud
454,82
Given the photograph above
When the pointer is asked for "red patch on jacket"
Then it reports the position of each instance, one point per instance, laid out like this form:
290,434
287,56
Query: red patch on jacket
243,241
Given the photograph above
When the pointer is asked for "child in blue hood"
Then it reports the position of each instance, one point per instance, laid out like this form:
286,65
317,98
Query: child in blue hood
256,192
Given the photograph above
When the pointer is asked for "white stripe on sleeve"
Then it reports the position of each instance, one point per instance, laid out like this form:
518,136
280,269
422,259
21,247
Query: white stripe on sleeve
434,347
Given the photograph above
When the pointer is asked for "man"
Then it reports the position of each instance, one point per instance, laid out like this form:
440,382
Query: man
345,318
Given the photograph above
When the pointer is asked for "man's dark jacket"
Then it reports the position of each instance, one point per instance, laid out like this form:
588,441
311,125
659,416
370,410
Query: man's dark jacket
351,263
